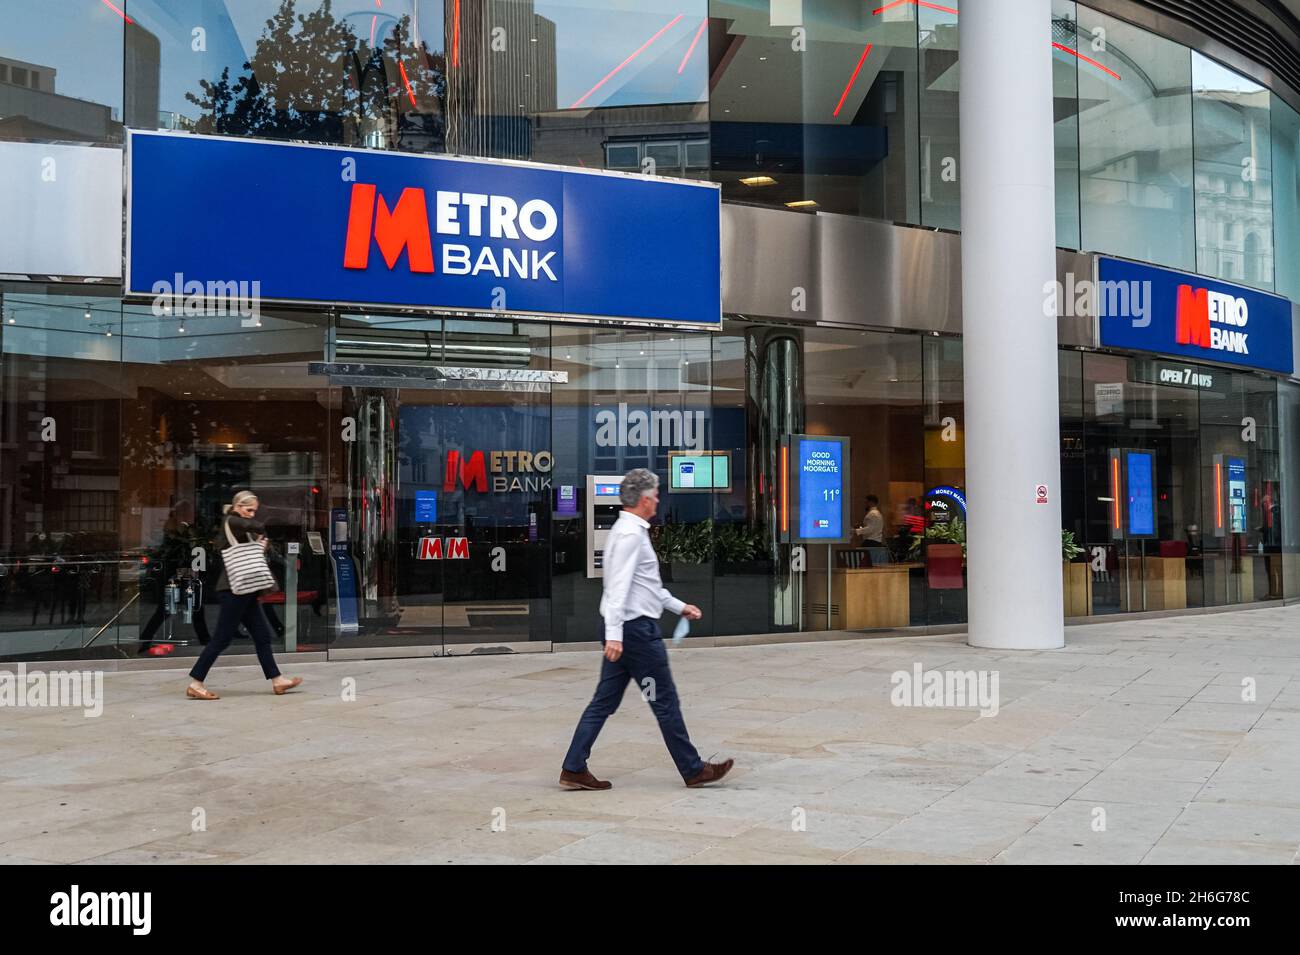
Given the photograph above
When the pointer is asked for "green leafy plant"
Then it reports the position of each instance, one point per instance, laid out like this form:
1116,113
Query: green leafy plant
683,543
735,543
1069,549
952,532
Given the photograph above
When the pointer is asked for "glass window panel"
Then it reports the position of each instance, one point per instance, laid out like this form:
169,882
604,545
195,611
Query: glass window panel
816,104
1289,466
213,404
61,72
1285,129
617,69
348,72
604,430
938,588
940,147
667,158
1135,143
61,574
1065,133
625,156
1234,213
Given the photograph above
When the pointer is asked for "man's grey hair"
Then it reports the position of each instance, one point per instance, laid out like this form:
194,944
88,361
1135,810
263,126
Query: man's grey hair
636,484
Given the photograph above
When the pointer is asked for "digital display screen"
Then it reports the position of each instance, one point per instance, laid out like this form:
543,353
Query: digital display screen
607,490
1140,471
1236,495
699,472
820,473
426,507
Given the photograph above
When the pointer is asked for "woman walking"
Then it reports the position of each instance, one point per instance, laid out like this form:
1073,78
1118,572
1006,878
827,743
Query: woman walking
240,526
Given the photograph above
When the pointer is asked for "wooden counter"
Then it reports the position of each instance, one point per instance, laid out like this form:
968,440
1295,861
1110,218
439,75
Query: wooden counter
1166,583
862,598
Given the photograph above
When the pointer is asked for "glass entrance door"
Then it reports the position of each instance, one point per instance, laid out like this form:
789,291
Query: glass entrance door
448,497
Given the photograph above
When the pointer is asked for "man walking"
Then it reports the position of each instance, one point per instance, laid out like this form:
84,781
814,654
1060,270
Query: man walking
634,597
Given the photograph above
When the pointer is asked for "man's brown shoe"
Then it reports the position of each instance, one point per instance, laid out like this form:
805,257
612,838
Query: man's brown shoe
582,780
711,773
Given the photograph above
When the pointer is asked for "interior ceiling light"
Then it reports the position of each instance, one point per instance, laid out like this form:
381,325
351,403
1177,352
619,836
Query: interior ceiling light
802,204
758,181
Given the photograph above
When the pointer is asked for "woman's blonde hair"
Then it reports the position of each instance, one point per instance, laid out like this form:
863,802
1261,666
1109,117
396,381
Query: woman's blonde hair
240,498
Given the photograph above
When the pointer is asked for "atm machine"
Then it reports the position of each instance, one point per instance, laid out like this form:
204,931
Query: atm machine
603,506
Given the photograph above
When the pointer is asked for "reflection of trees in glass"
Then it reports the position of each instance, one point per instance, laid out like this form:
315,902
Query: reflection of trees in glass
312,77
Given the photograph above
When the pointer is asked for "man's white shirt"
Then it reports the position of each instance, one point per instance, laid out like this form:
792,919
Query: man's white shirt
873,525
632,584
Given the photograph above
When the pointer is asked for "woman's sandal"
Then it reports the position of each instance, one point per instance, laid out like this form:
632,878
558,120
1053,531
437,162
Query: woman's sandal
286,687
200,693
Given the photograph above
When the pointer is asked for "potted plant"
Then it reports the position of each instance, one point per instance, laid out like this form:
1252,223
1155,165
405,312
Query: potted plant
684,550
1076,578
949,532
738,551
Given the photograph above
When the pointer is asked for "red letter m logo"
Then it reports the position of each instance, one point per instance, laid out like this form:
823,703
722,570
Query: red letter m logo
472,470
1192,326
406,227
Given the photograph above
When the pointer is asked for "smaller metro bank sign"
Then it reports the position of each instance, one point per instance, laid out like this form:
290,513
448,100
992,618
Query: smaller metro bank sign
328,224
1172,313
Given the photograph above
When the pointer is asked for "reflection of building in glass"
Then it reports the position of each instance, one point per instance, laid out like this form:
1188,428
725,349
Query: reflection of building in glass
142,68
501,70
1234,196
30,107
832,127
668,140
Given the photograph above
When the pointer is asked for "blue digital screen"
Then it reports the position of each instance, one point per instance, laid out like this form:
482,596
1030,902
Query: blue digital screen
1141,493
1237,495
605,490
821,489
426,507
566,501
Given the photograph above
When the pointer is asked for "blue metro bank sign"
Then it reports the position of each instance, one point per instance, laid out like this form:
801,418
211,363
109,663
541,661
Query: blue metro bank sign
327,224
1172,313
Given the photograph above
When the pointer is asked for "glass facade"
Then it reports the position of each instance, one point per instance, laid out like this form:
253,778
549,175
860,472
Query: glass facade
123,434
1163,155
1234,161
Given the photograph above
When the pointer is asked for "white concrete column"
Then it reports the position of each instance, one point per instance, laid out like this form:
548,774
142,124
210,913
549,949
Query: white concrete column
1008,256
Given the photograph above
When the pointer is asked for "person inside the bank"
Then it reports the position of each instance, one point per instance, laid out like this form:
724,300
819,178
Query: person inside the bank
872,530
634,598
240,525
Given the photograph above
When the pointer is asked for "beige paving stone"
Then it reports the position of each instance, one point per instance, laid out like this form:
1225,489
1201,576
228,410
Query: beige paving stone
881,855
1142,718
739,855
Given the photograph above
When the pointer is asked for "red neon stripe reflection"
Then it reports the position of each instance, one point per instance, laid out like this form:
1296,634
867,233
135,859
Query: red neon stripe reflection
691,48
852,79
639,50
1218,496
117,11
915,3
785,489
1086,59
1114,485
409,92
455,35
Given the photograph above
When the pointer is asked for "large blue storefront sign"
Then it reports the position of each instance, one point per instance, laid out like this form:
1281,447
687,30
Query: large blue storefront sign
327,224
1172,313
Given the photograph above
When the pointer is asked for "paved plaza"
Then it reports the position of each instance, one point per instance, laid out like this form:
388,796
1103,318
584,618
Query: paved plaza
1174,740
